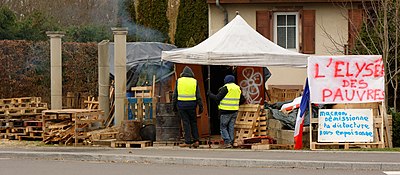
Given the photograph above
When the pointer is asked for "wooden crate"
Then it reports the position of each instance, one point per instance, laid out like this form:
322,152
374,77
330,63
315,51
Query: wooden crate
281,94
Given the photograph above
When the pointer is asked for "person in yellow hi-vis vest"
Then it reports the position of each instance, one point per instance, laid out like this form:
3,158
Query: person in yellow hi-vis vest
229,97
185,99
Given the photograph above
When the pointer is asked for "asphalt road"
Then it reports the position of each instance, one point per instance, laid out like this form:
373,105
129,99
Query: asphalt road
53,167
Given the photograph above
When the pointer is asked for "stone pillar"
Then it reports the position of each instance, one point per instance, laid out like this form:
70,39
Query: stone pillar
55,68
120,73
104,78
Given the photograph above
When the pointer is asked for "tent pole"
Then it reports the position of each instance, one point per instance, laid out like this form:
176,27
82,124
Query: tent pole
208,107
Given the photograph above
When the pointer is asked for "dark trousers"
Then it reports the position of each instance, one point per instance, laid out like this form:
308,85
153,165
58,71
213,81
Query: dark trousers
188,117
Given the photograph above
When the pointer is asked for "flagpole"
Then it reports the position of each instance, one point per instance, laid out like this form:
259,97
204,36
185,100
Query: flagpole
208,107
310,127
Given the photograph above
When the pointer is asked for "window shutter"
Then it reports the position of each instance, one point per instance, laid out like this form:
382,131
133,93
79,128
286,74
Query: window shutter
308,31
263,23
354,26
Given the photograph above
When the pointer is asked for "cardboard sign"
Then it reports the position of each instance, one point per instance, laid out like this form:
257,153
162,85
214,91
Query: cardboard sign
346,79
345,125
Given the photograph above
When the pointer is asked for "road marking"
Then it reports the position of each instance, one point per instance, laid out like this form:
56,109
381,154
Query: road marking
392,172
4,158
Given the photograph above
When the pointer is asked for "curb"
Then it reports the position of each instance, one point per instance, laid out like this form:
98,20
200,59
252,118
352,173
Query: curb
249,163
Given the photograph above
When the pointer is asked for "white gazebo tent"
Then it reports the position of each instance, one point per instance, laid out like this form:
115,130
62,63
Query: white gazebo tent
237,44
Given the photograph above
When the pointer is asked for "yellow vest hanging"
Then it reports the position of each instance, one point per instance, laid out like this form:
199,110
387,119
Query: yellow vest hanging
231,99
187,89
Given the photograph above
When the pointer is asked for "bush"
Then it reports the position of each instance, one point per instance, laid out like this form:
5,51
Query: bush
34,27
396,129
192,25
26,69
7,23
88,33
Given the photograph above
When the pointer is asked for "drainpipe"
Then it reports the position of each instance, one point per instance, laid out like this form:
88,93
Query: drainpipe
120,73
55,68
223,9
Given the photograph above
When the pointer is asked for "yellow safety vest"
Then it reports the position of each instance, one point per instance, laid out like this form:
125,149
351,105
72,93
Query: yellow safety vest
187,89
231,99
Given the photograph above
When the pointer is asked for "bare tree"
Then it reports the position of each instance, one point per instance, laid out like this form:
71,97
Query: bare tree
379,36
71,12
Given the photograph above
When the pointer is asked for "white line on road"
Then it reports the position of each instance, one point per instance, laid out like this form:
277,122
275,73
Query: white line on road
392,172
4,158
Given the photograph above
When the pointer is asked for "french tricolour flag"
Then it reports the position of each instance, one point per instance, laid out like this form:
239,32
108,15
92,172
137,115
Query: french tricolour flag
298,130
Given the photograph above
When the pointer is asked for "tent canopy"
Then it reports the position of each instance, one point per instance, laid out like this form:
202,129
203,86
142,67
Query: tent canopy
237,44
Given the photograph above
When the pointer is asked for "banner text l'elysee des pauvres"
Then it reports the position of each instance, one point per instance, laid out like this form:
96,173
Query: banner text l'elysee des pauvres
346,79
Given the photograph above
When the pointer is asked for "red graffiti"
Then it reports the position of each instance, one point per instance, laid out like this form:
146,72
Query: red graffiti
338,95
343,68
317,72
355,83
338,69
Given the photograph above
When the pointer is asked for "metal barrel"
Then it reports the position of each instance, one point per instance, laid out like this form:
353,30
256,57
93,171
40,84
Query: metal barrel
168,123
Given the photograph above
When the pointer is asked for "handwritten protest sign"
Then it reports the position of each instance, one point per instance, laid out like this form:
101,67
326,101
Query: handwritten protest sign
346,79
345,125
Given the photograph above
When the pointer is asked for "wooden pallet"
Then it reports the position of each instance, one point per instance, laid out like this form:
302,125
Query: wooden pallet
142,109
103,142
271,146
245,124
20,100
261,125
130,144
166,143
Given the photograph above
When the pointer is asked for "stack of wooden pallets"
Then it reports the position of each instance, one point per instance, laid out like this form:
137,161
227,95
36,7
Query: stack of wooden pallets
246,122
261,124
20,118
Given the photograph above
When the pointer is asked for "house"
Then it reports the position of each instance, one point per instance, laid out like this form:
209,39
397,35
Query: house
320,27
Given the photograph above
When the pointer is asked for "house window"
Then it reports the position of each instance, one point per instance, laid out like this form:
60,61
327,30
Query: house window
286,30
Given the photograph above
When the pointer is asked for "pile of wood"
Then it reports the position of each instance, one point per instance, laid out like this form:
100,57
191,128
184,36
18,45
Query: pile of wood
70,125
251,129
108,134
60,132
108,122
20,118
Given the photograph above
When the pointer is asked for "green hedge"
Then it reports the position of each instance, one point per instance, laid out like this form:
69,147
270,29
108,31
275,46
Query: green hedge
192,23
26,69
396,129
152,18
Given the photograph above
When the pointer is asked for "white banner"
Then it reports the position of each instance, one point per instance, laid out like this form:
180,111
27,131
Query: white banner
345,125
346,79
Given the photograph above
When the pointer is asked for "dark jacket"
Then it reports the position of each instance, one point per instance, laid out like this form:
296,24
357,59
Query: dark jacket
187,72
223,91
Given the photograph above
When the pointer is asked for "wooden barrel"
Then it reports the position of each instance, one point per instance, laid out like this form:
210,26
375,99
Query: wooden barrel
129,130
168,123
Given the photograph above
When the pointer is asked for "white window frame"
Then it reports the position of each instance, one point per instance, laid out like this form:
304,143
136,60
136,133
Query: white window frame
297,28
